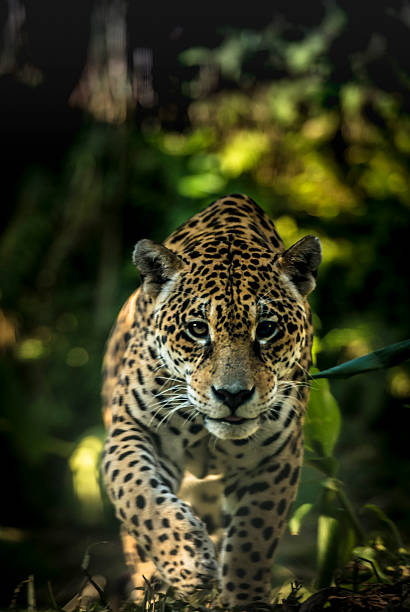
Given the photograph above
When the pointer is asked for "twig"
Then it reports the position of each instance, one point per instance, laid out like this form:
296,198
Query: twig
373,566
97,588
31,596
16,593
347,506
51,595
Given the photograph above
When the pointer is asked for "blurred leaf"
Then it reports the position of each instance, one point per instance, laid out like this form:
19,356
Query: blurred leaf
341,506
195,56
200,185
243,151
337,532
325,465
383,517
327,550
369,554
347,542
296,520
322,423
382,358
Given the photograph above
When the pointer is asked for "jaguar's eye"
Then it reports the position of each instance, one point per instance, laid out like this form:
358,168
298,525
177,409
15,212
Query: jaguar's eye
265,330
198,329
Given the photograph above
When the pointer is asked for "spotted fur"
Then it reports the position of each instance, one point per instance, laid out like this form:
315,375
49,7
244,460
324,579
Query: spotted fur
205,373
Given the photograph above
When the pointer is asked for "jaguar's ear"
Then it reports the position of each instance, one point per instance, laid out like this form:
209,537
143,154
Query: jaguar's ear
300,263
156,263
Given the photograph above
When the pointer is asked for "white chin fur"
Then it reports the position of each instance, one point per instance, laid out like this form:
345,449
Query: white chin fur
230,431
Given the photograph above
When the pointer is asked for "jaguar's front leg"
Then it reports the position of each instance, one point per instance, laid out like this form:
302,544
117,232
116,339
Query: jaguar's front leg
142,484
255,505
140,571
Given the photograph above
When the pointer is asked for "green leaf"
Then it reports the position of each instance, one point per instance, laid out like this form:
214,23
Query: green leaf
386,357
322,424
383,517
346,543
369,554
295,522
326,465
327,550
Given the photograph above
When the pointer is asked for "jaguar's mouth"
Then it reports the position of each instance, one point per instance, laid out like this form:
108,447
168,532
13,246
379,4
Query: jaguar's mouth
234,420
232,427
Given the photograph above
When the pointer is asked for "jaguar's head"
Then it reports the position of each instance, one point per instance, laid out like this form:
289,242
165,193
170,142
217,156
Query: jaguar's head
232,325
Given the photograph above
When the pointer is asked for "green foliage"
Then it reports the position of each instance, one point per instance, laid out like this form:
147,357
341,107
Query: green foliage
323,420
385,519
383,358
340,533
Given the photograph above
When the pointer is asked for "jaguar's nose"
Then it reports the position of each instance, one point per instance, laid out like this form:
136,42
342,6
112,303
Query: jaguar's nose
233,400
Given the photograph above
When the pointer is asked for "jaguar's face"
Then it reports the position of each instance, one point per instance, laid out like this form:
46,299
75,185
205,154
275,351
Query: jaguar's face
240,374
231,326
233,349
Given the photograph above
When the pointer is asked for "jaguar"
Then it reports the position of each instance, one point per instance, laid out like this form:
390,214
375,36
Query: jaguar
206,380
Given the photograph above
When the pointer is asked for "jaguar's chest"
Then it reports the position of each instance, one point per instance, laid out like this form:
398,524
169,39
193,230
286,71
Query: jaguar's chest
194,449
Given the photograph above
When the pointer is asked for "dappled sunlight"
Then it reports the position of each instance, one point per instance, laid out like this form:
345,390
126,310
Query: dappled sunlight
399,382
355,341
31,348
287,229
176,143
320,128
243,151
200,185
77,357
84,465
283,98
339,250
384,177
317,190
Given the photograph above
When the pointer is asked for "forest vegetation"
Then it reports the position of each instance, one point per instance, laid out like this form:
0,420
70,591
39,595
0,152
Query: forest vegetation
123,135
